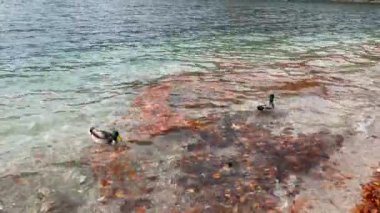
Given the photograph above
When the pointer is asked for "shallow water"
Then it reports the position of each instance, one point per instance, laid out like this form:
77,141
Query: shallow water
65,66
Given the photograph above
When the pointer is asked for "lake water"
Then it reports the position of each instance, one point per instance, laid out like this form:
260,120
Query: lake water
68,65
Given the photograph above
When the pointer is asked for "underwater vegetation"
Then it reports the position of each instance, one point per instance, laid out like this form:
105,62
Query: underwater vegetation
226,161
370,201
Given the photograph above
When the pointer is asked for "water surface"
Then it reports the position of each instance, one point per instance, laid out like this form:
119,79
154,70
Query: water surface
65,66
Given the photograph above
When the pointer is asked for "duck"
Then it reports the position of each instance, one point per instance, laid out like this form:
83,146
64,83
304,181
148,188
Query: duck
104,137
269,107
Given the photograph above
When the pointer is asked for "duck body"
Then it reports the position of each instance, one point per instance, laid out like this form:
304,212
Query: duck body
269,107
104,137
264,108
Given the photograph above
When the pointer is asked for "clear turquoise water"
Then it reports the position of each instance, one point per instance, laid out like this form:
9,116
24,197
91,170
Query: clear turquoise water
67,65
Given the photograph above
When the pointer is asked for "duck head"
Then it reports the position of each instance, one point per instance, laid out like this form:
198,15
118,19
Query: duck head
271,100
116,136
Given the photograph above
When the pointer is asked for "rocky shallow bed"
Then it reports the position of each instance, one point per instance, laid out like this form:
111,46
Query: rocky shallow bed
199,145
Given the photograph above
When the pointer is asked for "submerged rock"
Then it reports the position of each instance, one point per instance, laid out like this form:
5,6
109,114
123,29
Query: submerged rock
247,179
1,206
54,201
82,179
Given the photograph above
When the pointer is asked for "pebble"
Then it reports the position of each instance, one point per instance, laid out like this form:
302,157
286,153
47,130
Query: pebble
102,199
82,179
42,193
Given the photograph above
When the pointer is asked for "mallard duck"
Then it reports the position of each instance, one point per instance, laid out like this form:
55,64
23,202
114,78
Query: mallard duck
265,107
104,137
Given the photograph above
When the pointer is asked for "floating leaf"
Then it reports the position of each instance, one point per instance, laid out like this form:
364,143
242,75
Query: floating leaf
105,183
132,175
140,210
21,181
216,175
370,196
119,194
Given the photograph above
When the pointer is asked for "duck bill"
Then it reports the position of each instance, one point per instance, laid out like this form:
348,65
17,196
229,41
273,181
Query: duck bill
119,138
